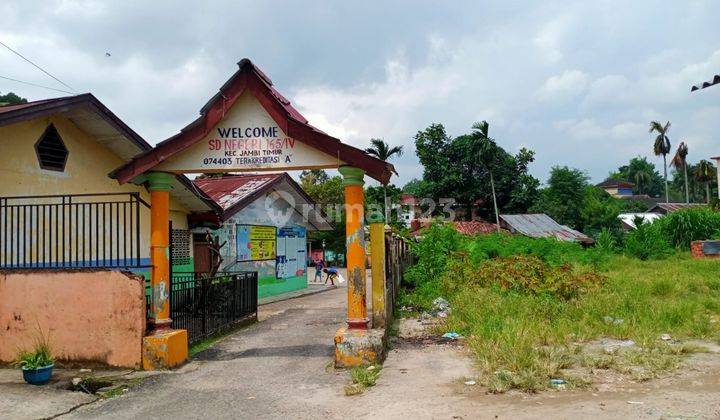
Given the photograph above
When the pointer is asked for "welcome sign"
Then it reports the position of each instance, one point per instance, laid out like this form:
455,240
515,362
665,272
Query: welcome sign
247,139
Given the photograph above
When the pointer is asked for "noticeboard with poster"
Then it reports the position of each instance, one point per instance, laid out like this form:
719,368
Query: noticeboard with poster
256,243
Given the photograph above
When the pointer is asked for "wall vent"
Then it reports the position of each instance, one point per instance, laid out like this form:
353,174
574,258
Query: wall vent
51,151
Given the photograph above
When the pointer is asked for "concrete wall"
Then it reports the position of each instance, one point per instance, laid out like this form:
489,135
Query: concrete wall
89,316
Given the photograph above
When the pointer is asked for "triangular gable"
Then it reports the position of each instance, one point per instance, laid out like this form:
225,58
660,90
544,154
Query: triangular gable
328,151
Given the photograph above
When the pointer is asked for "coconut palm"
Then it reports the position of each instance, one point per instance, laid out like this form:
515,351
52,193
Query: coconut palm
486,157
680,161
662,147
705,172
383,151
642,179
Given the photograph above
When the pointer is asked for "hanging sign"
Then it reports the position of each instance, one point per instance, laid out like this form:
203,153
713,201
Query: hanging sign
247,139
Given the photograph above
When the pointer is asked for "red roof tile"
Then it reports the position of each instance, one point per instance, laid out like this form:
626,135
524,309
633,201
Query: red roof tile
475,227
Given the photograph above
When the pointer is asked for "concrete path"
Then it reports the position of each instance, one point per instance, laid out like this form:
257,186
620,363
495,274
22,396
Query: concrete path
278,368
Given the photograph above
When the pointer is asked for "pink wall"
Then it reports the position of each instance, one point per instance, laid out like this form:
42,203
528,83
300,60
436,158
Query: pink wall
91,316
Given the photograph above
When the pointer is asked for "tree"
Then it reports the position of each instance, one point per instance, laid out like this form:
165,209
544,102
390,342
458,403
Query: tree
486,157
705,173
680,161
329,193
565,196
661,147
413,187
643,174
11,99
451,170
384,152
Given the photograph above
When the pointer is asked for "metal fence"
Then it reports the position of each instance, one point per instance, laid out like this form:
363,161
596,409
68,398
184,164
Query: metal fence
208,305
70,231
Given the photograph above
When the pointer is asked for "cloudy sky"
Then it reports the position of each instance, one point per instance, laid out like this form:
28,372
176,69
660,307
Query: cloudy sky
577,83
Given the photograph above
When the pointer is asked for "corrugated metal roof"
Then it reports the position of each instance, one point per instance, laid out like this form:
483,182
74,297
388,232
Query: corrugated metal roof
230,190
672,207
629,218
475,227
541,225
14,107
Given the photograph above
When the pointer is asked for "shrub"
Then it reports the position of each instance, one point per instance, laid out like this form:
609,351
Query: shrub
687,225
648,241
529,274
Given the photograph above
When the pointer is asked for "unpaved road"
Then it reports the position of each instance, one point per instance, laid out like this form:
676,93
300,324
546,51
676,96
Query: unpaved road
278,368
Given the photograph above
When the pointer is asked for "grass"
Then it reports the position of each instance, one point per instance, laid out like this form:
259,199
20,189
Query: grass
522,340
362,377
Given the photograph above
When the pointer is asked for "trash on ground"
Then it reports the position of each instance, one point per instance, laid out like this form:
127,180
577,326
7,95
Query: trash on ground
451,335
556,382
635,402
470,382
665,337
371,367
613,321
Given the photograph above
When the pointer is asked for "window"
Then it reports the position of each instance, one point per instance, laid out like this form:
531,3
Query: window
51,151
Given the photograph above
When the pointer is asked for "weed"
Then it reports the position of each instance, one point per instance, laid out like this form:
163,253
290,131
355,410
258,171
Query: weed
362,377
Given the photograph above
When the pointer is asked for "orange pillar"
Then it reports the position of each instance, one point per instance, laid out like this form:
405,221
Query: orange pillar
159,186
355,246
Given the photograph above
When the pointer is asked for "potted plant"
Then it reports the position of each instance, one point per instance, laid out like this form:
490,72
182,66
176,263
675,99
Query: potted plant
37,365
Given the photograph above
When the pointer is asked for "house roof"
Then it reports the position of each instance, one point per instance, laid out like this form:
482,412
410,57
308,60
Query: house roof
615,183
249,77
672,207
629,218
235,192
476,227
541,225
91,116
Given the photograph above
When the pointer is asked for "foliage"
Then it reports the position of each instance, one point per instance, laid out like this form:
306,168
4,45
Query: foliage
413,187
329,193
606,241
524,323
661,146
704,172
451,169
647,241
564,197
643,174
40,357
11,98
687,225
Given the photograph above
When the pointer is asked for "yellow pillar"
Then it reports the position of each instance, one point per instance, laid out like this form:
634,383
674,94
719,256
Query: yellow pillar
377,268
355,246
164,347
159,186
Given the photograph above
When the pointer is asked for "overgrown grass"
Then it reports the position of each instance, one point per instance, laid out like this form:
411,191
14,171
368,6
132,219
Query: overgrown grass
526,326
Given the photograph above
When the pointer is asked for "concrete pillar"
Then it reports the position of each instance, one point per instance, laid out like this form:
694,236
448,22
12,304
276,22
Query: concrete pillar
164,347
159,186
377,268
355,246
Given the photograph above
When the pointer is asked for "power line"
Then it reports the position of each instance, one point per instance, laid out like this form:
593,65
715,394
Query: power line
36,85
38,67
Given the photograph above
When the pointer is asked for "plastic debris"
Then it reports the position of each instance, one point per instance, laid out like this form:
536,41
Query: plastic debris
635,402
556,382
665,337
451,335
470,383
76,381
614,321
371,367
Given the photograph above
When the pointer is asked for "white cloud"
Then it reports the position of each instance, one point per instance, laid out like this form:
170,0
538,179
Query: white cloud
565,86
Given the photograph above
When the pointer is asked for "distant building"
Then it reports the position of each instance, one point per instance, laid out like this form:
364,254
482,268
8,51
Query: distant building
541,225
665,208
627,220
617,188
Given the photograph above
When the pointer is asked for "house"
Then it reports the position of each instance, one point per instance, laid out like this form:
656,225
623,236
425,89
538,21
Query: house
617,188
541,226
57,157
666,208
264,224
627,220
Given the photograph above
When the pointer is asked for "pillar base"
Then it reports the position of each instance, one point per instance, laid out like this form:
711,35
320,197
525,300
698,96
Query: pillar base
165,349
359,347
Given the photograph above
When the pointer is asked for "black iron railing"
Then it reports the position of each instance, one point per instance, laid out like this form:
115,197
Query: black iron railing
71,231
207,305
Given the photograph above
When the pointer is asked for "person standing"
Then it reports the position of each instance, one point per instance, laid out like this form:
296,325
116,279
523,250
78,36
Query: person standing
319,265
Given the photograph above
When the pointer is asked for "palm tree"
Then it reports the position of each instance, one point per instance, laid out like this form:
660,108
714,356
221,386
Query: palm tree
642,179
680,161
383,151
486,157
704,172
662,147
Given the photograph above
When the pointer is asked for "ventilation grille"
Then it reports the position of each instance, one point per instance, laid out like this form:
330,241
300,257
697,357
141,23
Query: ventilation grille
51,151
180,240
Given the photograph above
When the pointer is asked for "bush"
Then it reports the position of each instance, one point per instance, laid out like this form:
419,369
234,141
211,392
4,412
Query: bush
684,226
648,241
